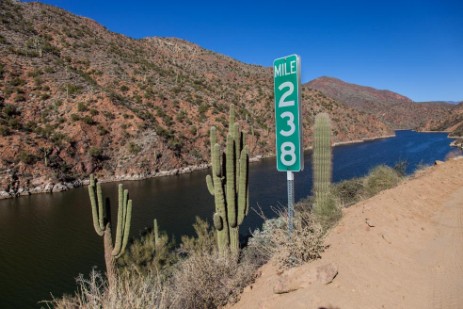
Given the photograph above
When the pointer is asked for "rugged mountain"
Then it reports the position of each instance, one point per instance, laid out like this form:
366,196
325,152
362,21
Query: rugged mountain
396,110
454,123
76,98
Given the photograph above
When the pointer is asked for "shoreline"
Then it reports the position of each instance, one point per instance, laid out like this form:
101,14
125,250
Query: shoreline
65,186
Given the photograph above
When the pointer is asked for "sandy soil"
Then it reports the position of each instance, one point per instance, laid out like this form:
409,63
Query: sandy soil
400,249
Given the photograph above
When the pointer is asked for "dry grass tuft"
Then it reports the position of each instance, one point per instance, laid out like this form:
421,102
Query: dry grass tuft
305,244
131,291
209,281
381,178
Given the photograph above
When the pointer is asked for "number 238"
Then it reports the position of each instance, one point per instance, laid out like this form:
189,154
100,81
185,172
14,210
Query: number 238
288,155
285,103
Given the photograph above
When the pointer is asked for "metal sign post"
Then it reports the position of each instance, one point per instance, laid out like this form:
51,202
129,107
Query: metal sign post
288,129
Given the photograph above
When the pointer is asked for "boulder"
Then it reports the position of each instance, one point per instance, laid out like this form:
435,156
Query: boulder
59,187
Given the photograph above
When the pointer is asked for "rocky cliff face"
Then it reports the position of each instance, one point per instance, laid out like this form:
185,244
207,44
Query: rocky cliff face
76,99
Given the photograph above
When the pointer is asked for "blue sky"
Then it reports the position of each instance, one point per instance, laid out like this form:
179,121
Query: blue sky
414,48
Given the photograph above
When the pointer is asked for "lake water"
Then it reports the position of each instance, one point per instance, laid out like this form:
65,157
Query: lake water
46,240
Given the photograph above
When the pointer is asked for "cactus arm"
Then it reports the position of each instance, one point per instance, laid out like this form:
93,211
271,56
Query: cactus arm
126,228
213,137
120,223
216,166
95,214
210,185
231,118
230,181
101,209
243,186
237,140
125,202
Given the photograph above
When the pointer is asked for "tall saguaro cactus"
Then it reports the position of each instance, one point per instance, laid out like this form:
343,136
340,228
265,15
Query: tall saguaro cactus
322,166
229,185
101,213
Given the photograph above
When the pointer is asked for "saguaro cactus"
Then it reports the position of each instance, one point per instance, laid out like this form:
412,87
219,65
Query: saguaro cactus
229,186
101,213
322,166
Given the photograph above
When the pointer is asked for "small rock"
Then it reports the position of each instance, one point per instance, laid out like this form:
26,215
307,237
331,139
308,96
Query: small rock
285,285
25,193
438,162
48,187
326,273
59,187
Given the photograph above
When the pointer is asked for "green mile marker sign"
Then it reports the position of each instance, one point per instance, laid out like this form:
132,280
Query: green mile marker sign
287,82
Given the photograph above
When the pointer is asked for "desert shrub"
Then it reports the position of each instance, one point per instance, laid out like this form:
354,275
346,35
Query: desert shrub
130,291
10,110
81,107
150,251
75,117
208,280
330,213
134,148
95,152
72,89
4,131
27,157
401,168
349,191
381,178
204,241
305,244
89,120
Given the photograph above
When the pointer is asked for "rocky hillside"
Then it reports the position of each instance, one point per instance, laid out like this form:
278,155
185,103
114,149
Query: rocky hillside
396,110
454,123
76,98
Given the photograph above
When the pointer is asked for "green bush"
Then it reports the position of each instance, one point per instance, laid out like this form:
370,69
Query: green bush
134,148
151,251
89,120
81,107
75,117
27,158
349,191
95,152
4,131
10,110
381,178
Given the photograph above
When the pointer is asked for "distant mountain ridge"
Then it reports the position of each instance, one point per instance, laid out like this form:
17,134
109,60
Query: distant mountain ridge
396,110
77,99
454,123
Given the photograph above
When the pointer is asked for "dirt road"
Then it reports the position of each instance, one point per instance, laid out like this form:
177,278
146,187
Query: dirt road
400,249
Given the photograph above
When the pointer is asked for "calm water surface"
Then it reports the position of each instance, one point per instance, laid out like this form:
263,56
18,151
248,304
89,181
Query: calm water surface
47,240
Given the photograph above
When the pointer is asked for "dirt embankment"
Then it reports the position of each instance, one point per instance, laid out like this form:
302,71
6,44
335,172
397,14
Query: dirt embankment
400,249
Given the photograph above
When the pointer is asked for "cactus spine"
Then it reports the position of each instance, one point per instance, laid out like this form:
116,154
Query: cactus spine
322,164
229,186
101,214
